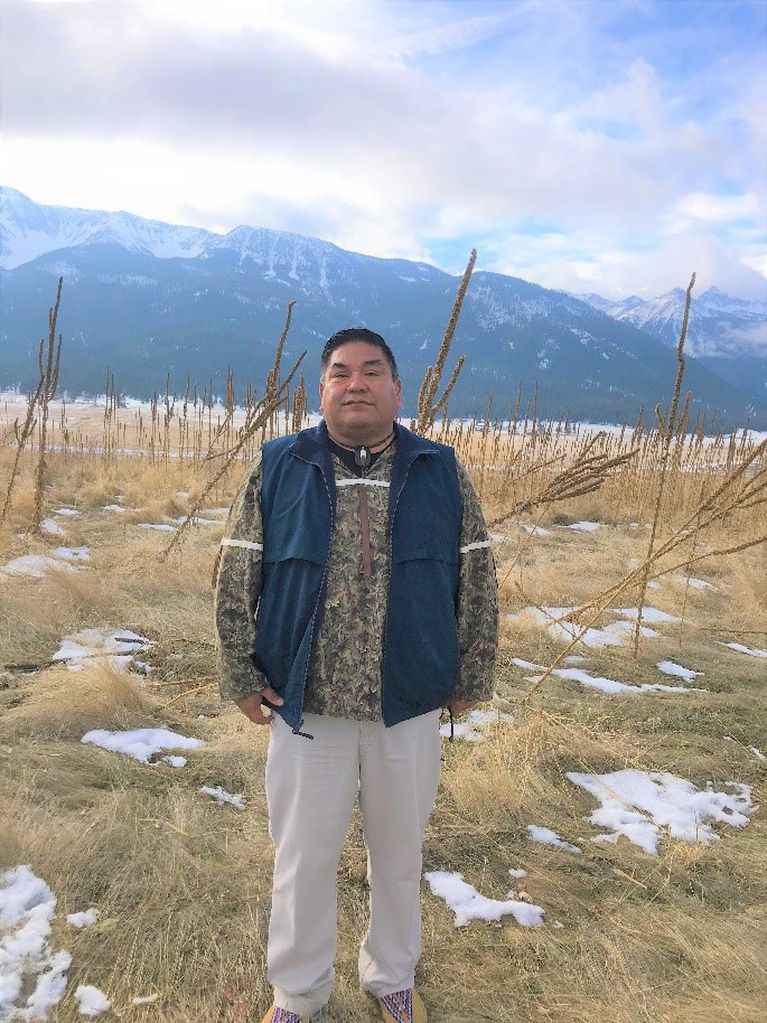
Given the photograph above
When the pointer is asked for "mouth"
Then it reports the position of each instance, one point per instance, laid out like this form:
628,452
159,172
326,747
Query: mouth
352,403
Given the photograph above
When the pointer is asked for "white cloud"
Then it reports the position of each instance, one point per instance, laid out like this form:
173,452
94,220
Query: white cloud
383,127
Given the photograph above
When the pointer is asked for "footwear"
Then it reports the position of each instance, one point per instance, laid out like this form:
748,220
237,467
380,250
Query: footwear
403,1007
277,1015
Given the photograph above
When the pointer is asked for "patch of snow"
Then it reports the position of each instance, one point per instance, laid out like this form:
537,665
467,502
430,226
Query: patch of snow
527,665
613,686
611,635
517,872
473,728
91,1000
671,668
51,526
36,565
140,743
162,526
548,837
197,521
639,804
87,918
222,797
144,999
113,508
751,651
649,614
574,659
221,511
497,537
696,584
66,512
94,646
585,526
535,530
27,906
757,753
72,553
467,904
176,761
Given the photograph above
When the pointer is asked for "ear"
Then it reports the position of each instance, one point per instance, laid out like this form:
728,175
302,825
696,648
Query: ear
322,391
398,389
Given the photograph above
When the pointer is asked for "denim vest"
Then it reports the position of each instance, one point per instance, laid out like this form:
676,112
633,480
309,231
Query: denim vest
298,505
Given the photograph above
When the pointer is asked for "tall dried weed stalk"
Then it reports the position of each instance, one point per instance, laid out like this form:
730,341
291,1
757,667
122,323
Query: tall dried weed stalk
40,399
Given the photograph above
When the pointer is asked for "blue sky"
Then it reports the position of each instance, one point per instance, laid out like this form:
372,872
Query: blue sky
610,146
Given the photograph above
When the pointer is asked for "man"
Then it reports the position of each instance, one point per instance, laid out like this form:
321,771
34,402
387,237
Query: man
355,598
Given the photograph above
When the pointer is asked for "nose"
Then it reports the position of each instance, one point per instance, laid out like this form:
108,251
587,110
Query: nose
357,382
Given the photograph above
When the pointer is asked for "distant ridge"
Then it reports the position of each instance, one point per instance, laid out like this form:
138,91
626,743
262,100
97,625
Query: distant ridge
148,299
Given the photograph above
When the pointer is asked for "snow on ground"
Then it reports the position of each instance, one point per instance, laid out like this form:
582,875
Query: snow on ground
649,614
474,727
27,906
51,526
757,753
527,665
102,646
696,584
640,804
222,797
613,686
220,511
517,872
36,565
197,521
175,761
548,837
66,512
91,1000
467,904
140,743
72,553
751,651
672,668
113,508
535,530
144,999
611,635
87,918
162,526
585,526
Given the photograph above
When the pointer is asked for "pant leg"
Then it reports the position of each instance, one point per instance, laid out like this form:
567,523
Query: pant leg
399,774
311,786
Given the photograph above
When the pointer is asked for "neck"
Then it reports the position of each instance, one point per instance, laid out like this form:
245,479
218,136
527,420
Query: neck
373,444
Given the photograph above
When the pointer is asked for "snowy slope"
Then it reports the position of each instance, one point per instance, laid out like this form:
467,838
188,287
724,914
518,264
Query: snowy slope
30,230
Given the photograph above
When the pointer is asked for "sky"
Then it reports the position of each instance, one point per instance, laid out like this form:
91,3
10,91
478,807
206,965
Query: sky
607,146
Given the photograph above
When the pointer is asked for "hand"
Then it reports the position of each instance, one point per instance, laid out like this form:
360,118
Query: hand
458,707
252,705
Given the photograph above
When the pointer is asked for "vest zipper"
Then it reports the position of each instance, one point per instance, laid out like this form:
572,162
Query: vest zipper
297,729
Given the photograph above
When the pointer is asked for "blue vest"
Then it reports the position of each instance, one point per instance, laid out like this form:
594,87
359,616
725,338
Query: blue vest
298,506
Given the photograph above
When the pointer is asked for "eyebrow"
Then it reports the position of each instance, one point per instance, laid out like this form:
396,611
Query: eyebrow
367,362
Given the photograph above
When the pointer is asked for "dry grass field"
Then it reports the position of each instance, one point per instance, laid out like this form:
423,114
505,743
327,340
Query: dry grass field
181,884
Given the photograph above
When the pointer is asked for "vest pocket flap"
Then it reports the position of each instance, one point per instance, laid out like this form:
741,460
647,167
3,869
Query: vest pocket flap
298,546
430,545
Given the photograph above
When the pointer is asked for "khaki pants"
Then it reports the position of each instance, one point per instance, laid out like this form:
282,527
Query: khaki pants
311,786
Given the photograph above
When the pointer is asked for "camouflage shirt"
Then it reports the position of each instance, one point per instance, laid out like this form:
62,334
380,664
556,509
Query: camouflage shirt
344,678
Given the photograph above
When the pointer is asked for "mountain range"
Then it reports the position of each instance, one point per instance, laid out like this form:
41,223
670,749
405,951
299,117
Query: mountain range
148,299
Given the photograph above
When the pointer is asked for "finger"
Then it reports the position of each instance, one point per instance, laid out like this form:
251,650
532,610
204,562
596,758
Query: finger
269,694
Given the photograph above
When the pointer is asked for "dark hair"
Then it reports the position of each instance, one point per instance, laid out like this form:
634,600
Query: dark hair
343,337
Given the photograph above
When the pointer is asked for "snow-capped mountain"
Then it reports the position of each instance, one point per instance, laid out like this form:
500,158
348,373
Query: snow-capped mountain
147,299
30,230
729,335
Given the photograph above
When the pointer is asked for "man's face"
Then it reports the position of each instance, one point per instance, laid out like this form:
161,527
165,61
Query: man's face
359,398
